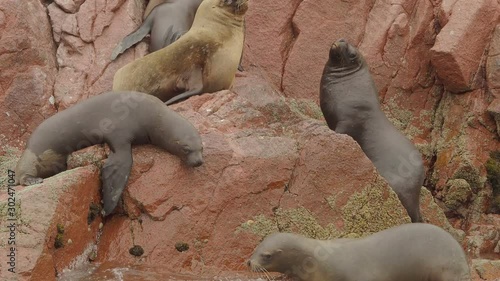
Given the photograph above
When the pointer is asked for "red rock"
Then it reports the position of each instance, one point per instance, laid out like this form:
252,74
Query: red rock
28,69
493,64
445,11
485,270
265,154
63,199
316,27
69,6
269,36
461,43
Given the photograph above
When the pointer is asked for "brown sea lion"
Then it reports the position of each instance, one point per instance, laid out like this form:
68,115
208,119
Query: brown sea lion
349,102
409,252
204,60
167,22
119,119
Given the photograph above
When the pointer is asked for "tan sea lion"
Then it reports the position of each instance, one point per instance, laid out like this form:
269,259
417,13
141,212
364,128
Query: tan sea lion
409,252
167,22
349,102
204,60
119,119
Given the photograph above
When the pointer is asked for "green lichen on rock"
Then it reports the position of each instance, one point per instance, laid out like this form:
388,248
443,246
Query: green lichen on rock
493,176
471,175
458,192
369,211
59,241
94,210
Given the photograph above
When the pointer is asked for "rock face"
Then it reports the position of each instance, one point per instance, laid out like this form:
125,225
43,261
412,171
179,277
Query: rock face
270,161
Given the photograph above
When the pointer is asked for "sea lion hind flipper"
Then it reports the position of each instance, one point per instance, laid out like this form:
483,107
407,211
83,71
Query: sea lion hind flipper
194,87
174,37
114,175
133,38
31,180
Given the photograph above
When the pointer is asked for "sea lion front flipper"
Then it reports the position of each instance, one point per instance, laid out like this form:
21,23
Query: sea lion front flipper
114,175
194,86
134,37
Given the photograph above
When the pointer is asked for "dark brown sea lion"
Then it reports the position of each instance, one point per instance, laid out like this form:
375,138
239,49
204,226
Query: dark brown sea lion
119,119
167,22
204,60
349,101
409,252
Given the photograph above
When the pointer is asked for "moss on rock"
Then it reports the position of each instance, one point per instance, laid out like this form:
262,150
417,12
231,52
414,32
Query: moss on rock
458,192
369,211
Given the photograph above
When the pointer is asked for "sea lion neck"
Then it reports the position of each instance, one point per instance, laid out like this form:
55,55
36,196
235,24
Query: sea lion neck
334,74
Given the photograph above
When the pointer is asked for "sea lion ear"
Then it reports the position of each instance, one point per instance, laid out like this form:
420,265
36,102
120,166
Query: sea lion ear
278,252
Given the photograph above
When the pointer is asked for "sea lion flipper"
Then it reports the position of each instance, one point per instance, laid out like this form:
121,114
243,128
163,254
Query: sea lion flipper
171,36
114,175
194,87
134,37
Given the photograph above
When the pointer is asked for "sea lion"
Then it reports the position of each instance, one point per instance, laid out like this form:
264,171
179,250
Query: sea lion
349,102
151,5
167,22
204,60
119,119
409,252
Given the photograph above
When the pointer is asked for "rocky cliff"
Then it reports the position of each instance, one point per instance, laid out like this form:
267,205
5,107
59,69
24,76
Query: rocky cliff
271,163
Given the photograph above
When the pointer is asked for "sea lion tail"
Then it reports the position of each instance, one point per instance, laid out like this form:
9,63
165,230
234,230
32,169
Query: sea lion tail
114,175
134,37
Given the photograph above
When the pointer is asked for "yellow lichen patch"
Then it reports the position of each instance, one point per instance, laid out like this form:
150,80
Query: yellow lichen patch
296,220
306,109
373,209
301,220
259,225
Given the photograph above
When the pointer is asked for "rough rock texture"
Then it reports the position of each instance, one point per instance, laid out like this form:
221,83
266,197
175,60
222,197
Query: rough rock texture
265,140
61,201
462,42
28,69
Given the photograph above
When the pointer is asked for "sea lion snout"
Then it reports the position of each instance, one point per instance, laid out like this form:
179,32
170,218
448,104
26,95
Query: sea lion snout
194,159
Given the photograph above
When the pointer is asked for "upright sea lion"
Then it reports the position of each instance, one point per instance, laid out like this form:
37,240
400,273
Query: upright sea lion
349,102
204,60
118,119
409,252
167,22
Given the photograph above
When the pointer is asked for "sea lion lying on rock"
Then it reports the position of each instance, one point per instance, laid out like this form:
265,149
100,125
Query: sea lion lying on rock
119,119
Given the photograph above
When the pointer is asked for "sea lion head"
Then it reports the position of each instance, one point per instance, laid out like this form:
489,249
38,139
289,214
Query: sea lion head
279,252
237,7
190,149
344,57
